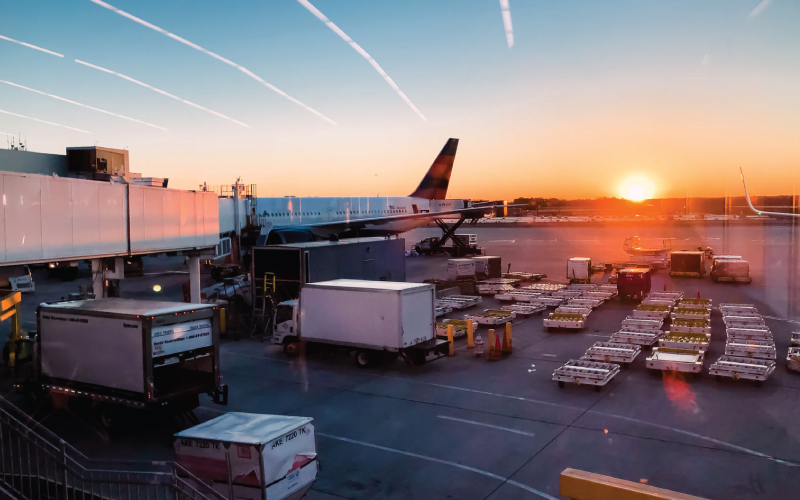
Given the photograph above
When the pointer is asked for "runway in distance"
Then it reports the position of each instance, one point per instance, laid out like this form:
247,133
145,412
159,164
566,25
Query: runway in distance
757,211
292,219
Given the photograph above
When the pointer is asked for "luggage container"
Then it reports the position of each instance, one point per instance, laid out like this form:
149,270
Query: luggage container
652,311
686,263
488,266
731,271
744,321
795,338
747,334
460,301
524,309
585,372
643,323
584,311
460,269
492,317
760,349
566,321
639,337
695,304
684,313
742,368
248,456
677,360
793,359
459,328
609,352
579,269
585,302
691,326
633,283
687,341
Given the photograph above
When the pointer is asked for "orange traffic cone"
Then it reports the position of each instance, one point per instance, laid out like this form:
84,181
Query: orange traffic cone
665,287
698,294
498,345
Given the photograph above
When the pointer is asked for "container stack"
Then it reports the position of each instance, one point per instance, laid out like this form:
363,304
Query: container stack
574,304
749,348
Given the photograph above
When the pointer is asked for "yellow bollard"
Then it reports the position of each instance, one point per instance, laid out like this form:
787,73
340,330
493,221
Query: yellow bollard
490,341
223,325
507,349
470,335
451,347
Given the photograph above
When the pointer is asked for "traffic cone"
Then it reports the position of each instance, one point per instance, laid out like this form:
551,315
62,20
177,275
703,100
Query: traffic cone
498,344
665,287
698,294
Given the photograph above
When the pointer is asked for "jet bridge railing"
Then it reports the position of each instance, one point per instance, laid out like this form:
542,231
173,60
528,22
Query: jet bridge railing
37,464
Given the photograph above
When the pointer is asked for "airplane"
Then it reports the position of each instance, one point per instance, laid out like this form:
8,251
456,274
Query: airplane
757,211
293,219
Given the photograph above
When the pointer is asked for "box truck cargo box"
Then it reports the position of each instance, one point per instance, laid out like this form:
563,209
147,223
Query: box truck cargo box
731,271
579,269
138,353
488,266
369,317
688,264
248,456
460,269
633,283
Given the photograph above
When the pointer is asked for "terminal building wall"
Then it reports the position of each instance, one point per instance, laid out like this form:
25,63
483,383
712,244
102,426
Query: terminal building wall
27,162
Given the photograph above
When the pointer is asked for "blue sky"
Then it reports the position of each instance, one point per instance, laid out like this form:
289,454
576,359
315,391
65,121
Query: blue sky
618,87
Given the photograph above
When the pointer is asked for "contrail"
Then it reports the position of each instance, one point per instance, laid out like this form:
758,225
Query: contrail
137,82
364,54
44,121
34,47
215,56
760,7
83,105
507,22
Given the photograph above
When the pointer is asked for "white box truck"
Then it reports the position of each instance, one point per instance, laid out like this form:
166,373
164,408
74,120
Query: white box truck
138,353
372,318
579,270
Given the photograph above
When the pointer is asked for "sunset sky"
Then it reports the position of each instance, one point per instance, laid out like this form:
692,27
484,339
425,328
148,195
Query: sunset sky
590,94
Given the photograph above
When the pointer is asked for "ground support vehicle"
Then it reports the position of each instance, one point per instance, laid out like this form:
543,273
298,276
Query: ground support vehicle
275,456
492,317
695,304
524,277
585,372
584,311
523,309
793,359
760,349
441,310
633,283
688,341
691,326
795,338
462,245
677,360
747,334
737,368
459,328
609,352
684,313
643,338
493,288
376,319
585,302
544,287
460,301
649,311
643,323
744,321
137,353
517,296
565,321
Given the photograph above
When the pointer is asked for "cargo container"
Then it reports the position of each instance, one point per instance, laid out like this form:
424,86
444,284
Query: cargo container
687,263
731,271
488,266
372,318
460,269
579,269
633,283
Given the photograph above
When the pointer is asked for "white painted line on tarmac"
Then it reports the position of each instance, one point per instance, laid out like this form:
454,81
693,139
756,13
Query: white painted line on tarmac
596,335
473,422
440,461
549,355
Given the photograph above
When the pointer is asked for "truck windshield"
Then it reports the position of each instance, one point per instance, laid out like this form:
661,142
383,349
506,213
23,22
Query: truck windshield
283,314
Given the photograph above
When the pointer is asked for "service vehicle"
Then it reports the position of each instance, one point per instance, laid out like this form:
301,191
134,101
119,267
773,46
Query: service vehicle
643,323
459,328
399,322
523,309
688,263
585,372
492,317
747,334
687,341
652,311
141,354
633,283
609,352
731,271
675,360
688,313
579,270
737,368
793,359
691,326
17,278
467,244
643,338
247,456
761,349
795,340
565,321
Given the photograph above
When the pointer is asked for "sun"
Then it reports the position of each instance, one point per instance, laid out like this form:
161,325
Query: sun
637,188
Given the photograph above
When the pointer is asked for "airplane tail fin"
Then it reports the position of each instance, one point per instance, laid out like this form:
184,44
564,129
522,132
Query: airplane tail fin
434,184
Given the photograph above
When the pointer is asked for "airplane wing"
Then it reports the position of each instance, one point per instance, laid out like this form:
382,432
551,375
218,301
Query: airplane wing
754,209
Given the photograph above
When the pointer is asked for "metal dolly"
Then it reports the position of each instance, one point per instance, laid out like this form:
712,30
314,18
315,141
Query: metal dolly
742,368
585,372
608,352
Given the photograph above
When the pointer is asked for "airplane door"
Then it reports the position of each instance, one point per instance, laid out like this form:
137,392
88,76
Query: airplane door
330,213
414,208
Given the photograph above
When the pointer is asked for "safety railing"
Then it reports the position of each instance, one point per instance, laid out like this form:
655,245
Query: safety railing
37,464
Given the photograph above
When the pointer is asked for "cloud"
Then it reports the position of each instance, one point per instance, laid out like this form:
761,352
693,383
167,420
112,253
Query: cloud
171,96
706,60
319,15
759,8
82,105
43,121
215,56
34,47
504,10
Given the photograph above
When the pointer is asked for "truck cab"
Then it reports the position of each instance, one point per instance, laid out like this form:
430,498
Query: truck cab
284,331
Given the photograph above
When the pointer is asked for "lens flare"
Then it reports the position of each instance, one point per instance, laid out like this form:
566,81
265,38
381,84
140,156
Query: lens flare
156,288
637,189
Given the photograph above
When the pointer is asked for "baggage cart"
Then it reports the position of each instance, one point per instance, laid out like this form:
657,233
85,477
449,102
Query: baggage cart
609,352
742,368
548,301
441,310
459,328
744,321
737,310
689,341
567,321
659,302
460,301
665,295
643,323
735,304
568,294
684,313
493,289
582,286
691,326
585,311
677,360
795,338
499,281
609,288
760,349
545,287
747,334
523,295
650,311
582,302
524,309
643,338
492,317
741,314
599,295
525,277
585,372
695,304
793,359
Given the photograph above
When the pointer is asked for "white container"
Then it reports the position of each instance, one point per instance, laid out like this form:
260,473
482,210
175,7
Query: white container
249,456
460,268
643,338
680,360
745,334
744,321
579,269
761,349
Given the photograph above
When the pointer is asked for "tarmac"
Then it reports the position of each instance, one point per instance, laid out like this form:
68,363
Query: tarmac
467,428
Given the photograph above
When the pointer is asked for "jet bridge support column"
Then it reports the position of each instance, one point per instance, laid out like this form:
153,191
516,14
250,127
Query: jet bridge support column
194,279
98,278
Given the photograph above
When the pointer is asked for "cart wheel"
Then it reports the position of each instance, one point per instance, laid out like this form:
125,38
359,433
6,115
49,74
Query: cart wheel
561,383
291,348
718,377
626,365
363,358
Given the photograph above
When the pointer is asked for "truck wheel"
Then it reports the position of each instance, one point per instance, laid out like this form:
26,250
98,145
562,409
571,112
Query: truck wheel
363,358
561,383
418,250
291,347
